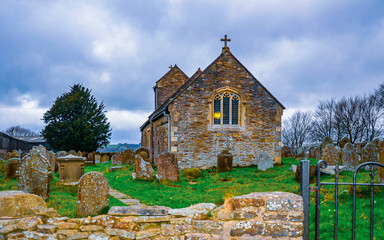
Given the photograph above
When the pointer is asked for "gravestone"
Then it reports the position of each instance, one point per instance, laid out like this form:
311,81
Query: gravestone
51,157
118,158
34,173
92,194
344,141
224,161
285,152
265,161
97,158
349,157
167,167
129,157
61,153
14,154
10,168
330,155
378,144
143,167
43,151
2,155
381,170
142,149
369,153
324,143
79,154
71,168
104,158
72,152
311,153
317,153
90,159
312,173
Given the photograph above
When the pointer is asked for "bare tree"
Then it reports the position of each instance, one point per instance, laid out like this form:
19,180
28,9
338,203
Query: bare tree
372,119
349,118
323,124
296,131
17,131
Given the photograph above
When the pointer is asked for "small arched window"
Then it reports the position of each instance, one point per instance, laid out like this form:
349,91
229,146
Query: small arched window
226,108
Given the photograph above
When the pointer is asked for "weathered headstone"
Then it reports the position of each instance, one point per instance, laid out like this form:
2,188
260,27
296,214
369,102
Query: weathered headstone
97,158
369,153
285,152
142,149
324,143
10,168
143,168
265,161
61,153
349,157
104,158
317,153
72,152
118,158
330,155
71,168
224,161
79,154
34,173
378,144
14,154
129,157
312,173
43,151
381,170
92,194
311,153
90,159
167,167
344,141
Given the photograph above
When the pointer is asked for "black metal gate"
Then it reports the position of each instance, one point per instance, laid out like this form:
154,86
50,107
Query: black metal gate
305,192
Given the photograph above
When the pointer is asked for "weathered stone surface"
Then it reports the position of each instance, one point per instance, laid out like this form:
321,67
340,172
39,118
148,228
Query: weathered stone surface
97,158
207,226
129,157
67,225
317,153
120,233
99,236
138,210
251,228
37,235
312,173
197,211
324,143
344,141
285,152
330,155
71,168
91,228
349,157
369,153
104,158
118,158
8,229
143,168
48,229
142,149
147,234
311,153
93,194
265,161
19,204
224,161
29,223
72,152
34,173
167,167
10,167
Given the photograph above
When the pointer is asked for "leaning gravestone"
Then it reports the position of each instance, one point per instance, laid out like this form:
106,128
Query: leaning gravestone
317,153
330,155
143,168
224,161
118,158
10,167
34,173
167,167
265,161
324,143
369,154
349,157
92,194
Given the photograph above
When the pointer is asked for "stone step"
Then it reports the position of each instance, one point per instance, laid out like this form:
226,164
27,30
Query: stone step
130,201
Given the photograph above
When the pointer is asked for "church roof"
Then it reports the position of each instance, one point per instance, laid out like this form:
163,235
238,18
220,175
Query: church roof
171,70
162,108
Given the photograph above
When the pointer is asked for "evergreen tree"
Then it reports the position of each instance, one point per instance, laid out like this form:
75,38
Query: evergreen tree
76,122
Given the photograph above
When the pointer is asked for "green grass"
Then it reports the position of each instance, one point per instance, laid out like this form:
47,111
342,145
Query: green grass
215,187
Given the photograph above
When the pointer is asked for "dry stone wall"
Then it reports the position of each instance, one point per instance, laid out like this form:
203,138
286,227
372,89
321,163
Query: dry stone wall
253,216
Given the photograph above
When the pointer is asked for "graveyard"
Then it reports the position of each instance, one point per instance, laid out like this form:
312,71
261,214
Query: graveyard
214,187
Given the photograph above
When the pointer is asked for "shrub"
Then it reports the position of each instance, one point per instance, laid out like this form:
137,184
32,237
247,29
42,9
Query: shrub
192,173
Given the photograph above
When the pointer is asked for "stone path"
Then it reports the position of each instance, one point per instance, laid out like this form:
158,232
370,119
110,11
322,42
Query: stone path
123,197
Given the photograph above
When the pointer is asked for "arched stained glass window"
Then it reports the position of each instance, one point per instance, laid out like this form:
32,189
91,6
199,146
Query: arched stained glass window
226,108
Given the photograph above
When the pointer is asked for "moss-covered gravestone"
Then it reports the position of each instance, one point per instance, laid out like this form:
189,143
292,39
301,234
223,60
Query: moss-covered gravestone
224,161
10,168
167,167
117,158
349,157
317,153
311,153
92,194
143,167
330,155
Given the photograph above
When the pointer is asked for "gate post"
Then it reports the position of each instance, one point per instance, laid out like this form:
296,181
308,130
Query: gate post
304,192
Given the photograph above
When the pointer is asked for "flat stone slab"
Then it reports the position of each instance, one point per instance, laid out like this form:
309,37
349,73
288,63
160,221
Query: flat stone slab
330,170
130,201
138,210
115,168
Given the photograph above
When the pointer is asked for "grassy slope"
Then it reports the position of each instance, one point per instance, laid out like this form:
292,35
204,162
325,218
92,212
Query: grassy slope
214,187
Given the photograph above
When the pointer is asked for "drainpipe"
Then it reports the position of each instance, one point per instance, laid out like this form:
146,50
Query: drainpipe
169,131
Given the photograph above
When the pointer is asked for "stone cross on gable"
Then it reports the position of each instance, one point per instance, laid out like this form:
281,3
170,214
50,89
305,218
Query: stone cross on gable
225,40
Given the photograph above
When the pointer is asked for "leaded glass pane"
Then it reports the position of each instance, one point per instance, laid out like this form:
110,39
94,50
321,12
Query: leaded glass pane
217,109
226,98
235,110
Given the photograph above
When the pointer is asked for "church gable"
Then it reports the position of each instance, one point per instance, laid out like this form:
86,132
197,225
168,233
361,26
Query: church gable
167,85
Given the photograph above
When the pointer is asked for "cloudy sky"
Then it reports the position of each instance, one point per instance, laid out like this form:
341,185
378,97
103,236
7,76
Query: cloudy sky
303,51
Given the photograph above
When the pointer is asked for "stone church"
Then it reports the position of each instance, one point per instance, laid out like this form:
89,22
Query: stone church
222,107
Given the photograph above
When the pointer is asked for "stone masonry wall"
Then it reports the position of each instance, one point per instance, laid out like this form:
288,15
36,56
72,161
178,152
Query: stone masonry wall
197,144
168,84
160,137
253,216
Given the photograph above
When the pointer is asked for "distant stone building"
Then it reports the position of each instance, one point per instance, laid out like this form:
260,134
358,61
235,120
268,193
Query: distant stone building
221,107
9,143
